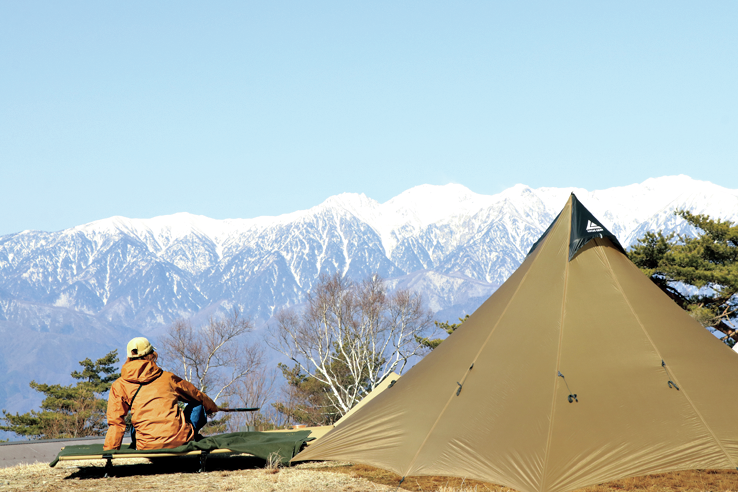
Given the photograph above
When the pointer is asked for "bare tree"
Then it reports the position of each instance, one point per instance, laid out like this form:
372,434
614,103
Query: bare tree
214,357
255,390
351,335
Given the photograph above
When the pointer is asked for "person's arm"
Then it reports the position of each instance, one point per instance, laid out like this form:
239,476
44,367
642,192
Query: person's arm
117,410
187,392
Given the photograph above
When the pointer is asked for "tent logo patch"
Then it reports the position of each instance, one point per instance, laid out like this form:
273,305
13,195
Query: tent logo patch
592,227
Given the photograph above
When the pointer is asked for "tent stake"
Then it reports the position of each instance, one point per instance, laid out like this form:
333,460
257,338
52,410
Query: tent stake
398,485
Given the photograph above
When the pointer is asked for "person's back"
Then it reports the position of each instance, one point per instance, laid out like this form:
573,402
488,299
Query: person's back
158,420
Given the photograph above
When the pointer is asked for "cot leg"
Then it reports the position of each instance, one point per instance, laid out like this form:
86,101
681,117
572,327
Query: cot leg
108,468
203,462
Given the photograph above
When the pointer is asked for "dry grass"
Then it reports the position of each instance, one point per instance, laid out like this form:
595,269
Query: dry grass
684,481
273,463
384,477
237,473
234,473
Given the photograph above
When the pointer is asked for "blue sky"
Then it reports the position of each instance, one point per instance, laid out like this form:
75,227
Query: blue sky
241,109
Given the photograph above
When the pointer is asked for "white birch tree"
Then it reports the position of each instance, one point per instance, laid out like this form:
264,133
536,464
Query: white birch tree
350,335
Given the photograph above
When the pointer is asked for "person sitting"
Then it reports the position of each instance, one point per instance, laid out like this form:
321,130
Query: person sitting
152,396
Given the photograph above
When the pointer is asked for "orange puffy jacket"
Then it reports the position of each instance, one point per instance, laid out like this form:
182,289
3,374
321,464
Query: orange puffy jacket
158,420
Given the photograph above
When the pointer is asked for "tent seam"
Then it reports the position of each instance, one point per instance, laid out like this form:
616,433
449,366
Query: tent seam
558,367
466,373
658,353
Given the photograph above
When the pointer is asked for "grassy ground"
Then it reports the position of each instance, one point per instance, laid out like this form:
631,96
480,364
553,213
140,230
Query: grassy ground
691,480
245,473
179,474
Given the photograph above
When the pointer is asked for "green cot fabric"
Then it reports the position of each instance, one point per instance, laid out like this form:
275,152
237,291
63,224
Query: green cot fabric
260,444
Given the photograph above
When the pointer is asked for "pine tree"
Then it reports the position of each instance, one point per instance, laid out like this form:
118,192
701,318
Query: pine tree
307,401
69,411
708,263
449,328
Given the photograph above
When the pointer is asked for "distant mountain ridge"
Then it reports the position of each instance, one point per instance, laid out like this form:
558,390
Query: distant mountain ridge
79,292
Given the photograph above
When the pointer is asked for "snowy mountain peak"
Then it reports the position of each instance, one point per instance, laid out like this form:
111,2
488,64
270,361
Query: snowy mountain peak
679,181
427,204
358,204
162,229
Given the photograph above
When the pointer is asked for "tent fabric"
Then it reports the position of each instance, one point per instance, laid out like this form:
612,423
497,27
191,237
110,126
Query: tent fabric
572,373
260,444
388,381
544,235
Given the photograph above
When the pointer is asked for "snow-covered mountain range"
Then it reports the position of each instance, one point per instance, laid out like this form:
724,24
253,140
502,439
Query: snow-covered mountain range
80,292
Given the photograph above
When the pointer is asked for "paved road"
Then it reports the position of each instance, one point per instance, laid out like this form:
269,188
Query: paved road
17,452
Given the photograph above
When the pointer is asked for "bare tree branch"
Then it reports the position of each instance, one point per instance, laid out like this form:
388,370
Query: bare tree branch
351,335
214,357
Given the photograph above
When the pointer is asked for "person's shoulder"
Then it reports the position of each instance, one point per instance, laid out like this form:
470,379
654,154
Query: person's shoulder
171,376
117,386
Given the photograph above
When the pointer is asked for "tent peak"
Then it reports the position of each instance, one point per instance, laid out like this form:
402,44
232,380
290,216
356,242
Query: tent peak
583,228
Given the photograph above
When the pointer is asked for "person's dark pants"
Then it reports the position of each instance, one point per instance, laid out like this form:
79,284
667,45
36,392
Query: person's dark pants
194,415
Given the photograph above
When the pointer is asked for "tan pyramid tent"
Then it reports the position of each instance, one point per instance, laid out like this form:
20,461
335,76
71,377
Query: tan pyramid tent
577,371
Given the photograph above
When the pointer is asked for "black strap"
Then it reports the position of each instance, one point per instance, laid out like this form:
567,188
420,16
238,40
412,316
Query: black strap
130,411
130,405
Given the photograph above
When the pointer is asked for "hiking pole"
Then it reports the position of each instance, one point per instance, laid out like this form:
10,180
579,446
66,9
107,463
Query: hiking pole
254,409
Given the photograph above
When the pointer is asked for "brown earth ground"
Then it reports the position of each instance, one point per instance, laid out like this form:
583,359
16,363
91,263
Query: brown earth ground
236,473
